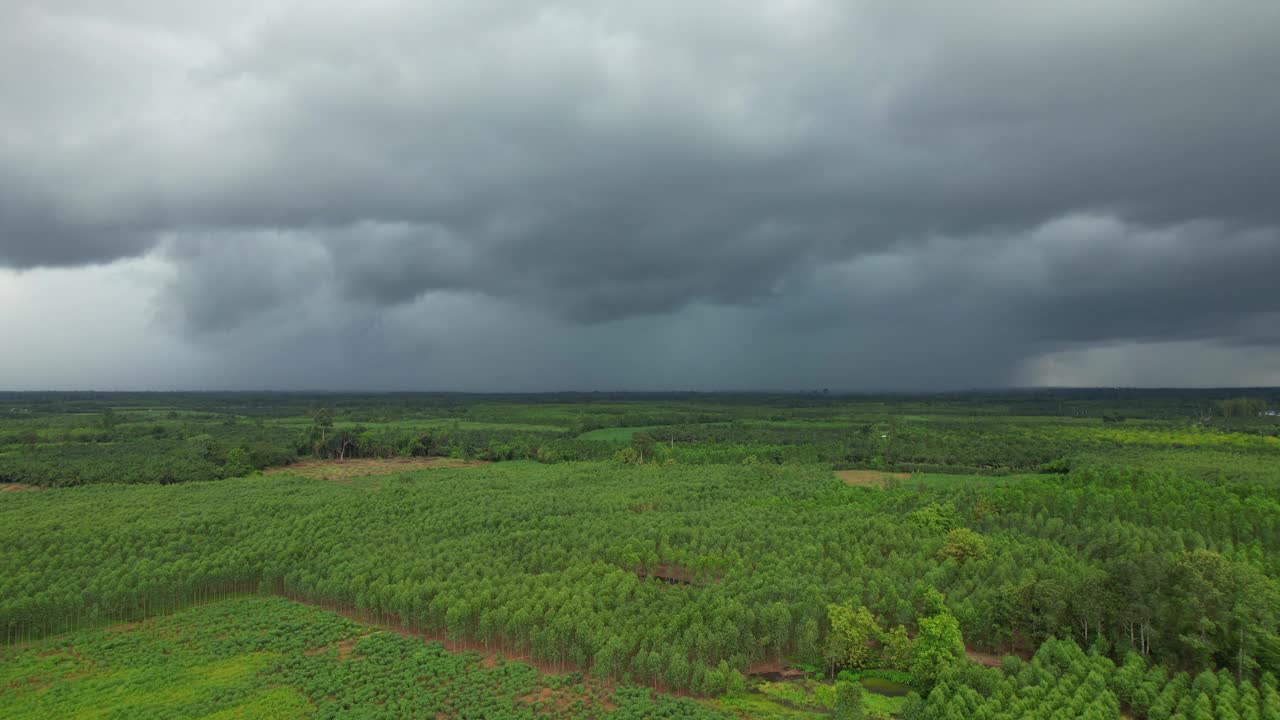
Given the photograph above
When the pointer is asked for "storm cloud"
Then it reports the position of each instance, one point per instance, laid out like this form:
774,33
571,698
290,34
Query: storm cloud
787,194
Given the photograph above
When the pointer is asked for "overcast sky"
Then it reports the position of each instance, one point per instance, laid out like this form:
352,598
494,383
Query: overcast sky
490,195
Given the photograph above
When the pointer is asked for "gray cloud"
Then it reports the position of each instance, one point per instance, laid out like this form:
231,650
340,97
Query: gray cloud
1006,182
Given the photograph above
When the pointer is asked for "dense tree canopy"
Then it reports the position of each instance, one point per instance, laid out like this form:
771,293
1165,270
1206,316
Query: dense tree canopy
676,543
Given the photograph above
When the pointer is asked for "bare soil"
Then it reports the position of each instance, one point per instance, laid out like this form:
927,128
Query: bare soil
774,671
345,470
983,659
344,647
19,487
489,655
869,478
560,699
672,574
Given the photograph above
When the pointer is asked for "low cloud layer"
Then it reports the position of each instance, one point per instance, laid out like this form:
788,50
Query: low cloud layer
793,194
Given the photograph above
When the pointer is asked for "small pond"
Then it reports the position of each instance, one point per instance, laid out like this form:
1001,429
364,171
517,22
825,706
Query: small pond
881,686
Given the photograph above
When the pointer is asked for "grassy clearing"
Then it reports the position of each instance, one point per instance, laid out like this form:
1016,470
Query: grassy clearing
800,700
1205,463
756,706
869,478
879,479
369,467
617,434
945,481
804,424
625,434
427,425
275,659
209,661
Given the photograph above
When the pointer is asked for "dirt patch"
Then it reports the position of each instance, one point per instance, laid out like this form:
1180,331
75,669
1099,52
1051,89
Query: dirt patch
774,671
602,688
343,470
561,700
983,659
19,487
672,575
543,694
869,478
345,647
989,660
490,655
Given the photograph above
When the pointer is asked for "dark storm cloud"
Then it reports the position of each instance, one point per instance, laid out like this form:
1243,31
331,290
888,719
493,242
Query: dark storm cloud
63,240
1083,279
1008,180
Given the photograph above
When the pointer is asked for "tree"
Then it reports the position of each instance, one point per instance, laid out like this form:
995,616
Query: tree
322,425
896,645
203,447
644,444
928,600
237,464
342,441
853,634
912,707
963,544
938,646
1240,407
848,700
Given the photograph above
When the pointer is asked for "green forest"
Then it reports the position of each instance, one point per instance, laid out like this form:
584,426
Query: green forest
1039,554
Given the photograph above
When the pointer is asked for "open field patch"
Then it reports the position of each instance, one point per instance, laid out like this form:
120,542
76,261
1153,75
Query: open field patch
870,478
431,425
989,660
675,575
775,671
368,467
616,434
272,658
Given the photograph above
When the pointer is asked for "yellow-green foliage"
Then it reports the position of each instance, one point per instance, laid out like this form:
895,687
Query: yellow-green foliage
851,641
207,661
272,659
961,545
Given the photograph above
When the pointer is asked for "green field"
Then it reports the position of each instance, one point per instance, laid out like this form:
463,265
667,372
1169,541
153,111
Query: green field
617,434
619,552
257,658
